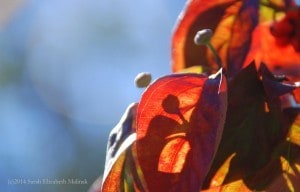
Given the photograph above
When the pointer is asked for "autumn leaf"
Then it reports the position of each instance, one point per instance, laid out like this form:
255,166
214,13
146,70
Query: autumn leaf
114,176
287,30
122,171
187,137
233,23
275,44
294,131
288,180
255,132
232,20
279,59
274,85
236,186
120,132
179,123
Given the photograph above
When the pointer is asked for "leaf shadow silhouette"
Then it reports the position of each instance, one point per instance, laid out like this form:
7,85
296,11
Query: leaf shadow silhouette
161,131
180,119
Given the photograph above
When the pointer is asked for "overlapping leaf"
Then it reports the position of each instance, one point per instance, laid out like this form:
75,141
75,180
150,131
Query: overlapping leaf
180,117
264,48
232,21
114,178
122,172
120,132
287,30
179,123
255,132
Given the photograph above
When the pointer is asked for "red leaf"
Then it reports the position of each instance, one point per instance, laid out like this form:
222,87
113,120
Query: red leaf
112,179
287,30
254,136
232,22
179,124
236,38
279,59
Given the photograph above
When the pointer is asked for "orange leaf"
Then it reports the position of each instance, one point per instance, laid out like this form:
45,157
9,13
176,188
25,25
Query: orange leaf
179,124
233,23
232,20
287,30
255,132
112,179
122,171
289,179
236,186
279,59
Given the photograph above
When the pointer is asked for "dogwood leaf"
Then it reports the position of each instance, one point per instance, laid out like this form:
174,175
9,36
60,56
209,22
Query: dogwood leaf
122,171
279,59
120,132
255,132
233,23
231,20
114,179
180,120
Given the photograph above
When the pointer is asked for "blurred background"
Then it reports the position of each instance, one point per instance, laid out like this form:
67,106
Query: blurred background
66,77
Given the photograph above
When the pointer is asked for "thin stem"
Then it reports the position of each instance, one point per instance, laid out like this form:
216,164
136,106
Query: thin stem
203,37
216,56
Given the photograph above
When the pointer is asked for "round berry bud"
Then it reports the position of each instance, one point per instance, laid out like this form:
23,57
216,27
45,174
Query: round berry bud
203,37
142,80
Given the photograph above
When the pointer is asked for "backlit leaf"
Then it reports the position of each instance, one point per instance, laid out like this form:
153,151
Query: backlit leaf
255,132
179,123
120,132
113,179
287,30
233,23
122,171
279,59
289,179
231,20
187,137
294,132
236,186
